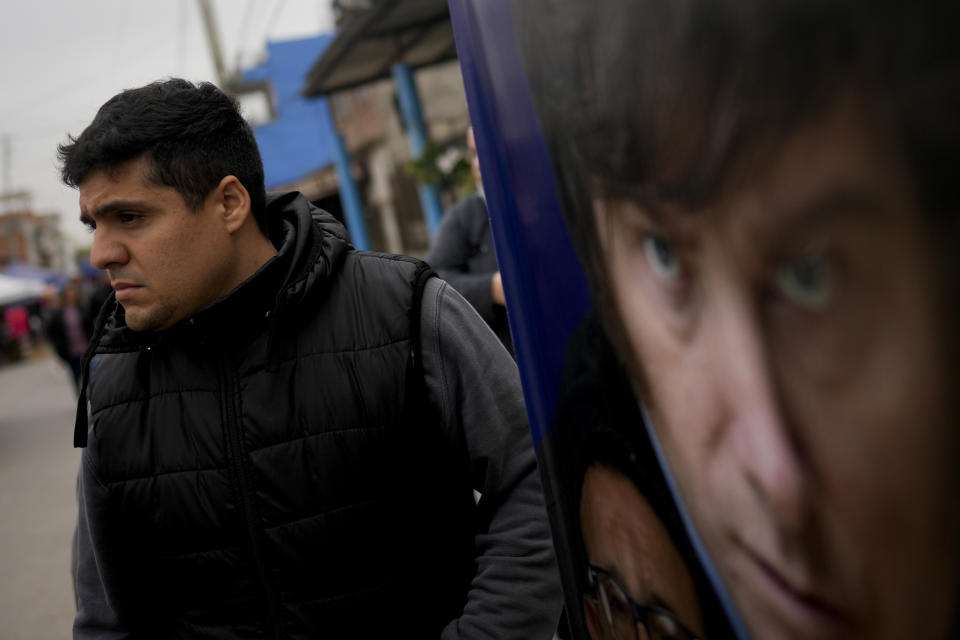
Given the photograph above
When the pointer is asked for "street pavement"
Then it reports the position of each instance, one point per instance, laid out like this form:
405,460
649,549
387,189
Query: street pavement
38,471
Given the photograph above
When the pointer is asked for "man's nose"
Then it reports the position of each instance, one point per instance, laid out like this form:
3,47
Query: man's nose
106,250
761,438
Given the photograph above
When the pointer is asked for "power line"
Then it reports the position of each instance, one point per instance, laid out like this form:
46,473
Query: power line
244,27
277,8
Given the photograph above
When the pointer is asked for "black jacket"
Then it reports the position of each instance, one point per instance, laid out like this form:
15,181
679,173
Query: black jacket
462,253
268,468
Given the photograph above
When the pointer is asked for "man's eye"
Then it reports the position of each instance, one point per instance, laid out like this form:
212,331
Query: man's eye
661,256
805,281
127,218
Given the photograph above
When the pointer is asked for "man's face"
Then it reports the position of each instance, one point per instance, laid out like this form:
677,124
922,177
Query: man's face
165,261
789,342
624,536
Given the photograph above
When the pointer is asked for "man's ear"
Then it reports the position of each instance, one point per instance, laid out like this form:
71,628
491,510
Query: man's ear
235,202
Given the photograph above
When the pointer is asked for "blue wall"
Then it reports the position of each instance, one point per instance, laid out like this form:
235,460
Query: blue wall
299,142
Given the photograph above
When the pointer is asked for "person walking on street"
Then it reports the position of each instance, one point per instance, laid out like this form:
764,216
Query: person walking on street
68,327
283,435
462,253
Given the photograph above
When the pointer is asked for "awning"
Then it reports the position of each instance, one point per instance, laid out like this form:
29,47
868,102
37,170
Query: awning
370,41
20,290
31,272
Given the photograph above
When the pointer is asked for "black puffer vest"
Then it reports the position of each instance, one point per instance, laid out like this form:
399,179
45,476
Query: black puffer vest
272,466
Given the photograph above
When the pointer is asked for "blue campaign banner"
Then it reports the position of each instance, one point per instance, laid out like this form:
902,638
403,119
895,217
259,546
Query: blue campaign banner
574,385
563,359
544,286
727,236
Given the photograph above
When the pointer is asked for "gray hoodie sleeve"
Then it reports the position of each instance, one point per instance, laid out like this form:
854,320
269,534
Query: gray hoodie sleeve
461,230
474,384
95,618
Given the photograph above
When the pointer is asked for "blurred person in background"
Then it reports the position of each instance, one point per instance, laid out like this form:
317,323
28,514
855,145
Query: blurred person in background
68,326
764,197
96,290
16,318
282,434
463,255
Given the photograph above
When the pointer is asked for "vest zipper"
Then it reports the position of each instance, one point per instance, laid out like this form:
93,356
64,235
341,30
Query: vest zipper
237,460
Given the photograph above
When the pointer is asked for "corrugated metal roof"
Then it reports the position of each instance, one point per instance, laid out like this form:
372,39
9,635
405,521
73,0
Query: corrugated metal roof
371,41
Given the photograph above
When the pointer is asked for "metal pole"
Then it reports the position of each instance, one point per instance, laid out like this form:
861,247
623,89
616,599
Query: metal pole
7,167
349,194
213,39
417,137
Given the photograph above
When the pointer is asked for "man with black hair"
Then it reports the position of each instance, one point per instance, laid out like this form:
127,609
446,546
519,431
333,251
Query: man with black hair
640,567
283,434
613,506
763,194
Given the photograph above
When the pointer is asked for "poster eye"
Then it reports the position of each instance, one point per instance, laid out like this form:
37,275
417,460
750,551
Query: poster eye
805,281
661,256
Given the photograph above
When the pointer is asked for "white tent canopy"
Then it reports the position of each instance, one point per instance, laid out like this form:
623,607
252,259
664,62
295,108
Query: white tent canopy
20,289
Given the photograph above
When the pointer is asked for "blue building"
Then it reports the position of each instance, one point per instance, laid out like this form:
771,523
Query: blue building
305,145
300,148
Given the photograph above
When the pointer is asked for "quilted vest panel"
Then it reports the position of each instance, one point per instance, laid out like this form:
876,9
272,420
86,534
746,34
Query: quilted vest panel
284,479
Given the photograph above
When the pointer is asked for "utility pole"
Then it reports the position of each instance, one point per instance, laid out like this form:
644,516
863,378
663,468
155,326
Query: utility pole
18,200
213,39
7,155
7,162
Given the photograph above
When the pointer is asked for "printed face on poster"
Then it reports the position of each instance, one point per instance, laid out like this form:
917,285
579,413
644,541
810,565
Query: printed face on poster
725,234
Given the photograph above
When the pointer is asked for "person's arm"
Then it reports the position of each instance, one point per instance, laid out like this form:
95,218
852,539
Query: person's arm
474,383
95,618
452,249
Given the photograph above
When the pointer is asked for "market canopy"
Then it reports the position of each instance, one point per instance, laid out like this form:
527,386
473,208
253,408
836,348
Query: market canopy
371,40
22,270
20,289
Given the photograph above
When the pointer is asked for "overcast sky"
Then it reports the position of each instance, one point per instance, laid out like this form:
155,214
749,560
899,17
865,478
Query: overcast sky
59,61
